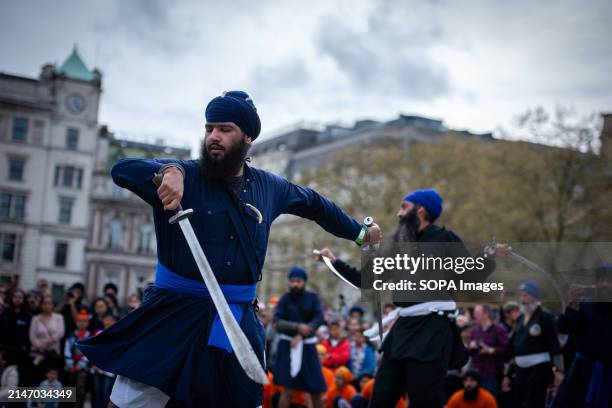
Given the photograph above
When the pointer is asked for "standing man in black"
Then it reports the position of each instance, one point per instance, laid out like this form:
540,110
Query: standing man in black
588,381
423,342
535,345
298,315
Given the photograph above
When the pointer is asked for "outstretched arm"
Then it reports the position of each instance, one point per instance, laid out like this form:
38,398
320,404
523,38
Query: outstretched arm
307,203
136,175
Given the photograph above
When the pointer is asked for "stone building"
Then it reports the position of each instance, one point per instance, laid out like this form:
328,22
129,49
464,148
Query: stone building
48,132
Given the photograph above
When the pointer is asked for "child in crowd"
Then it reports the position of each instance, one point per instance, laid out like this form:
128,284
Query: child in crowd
343,389
49,383
77,364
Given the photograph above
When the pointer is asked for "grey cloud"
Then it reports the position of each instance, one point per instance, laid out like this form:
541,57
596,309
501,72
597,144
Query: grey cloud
389,55
284,76
153,25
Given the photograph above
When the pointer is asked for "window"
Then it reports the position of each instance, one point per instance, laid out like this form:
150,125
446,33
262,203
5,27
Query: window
5,205
19,206
61,253
147,232
115,233
65,210
12,205
15,170
72,139
2,122
20,129
10,247
68,176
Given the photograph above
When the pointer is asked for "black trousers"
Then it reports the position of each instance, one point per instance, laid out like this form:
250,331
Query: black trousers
423,381
531,384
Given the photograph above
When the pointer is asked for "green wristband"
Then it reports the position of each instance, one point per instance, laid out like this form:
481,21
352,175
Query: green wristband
361,236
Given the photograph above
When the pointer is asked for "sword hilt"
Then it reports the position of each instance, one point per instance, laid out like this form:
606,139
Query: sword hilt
179,213
368,222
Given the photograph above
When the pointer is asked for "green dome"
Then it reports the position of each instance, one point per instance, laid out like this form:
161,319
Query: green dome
75,68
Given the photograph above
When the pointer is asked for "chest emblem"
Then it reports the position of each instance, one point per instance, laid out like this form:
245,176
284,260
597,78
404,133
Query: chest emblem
535,330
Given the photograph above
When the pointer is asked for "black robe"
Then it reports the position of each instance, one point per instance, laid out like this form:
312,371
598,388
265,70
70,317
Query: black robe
430,337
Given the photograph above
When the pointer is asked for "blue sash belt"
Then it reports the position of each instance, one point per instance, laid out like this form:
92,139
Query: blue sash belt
599,394
234,294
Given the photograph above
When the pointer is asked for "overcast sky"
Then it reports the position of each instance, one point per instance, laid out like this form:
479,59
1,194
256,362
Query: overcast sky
475,64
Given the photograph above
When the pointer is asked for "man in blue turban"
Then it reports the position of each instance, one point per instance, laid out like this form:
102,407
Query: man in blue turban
420,347
417,211
174,345
232,125
297,316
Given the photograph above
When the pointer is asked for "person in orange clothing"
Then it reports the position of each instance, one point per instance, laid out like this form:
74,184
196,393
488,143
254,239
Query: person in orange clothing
328,374
472,395
271,392
368,388
343,389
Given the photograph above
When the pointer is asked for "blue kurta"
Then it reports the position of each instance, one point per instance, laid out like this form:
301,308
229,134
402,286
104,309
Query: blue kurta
305,309
165,343
235,257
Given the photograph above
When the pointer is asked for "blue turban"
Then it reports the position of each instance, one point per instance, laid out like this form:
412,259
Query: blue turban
357,308
236,107
603,271
531,288
297,272
428,198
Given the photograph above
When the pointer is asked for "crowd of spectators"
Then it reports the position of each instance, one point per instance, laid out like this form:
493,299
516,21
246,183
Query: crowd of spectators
38,335
349,359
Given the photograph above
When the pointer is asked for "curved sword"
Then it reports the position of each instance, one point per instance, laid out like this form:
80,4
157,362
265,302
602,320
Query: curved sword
490,250
535,267
330,265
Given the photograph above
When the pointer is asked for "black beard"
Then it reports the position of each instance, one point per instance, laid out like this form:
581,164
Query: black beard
407,227
296,292
405,232
470,394
223,169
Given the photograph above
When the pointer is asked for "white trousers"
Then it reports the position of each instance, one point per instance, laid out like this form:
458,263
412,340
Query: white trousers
128,393
133,394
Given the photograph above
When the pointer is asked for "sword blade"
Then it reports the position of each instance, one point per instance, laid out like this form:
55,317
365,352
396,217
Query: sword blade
330,265
376,298
537,268
244,352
